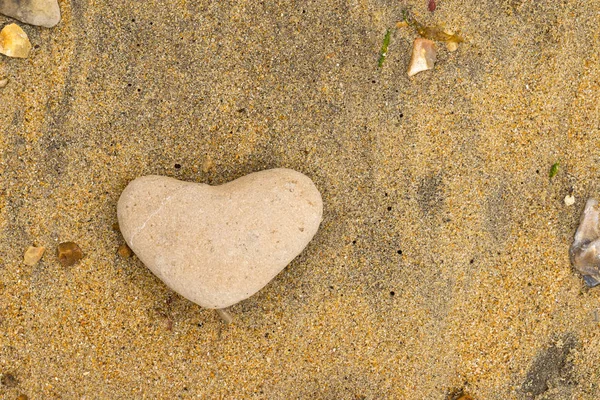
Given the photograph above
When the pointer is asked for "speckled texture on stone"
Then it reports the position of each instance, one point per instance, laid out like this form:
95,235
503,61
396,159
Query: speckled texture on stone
219,245
44,13
435,189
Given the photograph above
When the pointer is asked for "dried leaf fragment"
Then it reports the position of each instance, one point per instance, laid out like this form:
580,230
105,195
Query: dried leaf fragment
14,42
384,48
68,253
435,33
554,169
33,255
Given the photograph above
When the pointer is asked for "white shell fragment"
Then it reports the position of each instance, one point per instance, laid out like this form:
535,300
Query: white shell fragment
423,56
585,250
33,12
14,42
218,245
569,200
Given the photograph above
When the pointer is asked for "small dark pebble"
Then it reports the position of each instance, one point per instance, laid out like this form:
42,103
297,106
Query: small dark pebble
431,6
68,253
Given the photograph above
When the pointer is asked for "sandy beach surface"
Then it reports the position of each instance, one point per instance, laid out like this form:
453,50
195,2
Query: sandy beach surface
441,267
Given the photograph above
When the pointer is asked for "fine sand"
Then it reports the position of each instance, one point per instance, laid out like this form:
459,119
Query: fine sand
441,266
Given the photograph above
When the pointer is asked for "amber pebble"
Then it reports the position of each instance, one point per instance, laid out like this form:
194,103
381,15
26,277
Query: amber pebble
68,253
14,41
22,397
124,251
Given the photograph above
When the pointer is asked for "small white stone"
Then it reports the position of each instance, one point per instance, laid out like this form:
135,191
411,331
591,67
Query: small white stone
569,200
218,245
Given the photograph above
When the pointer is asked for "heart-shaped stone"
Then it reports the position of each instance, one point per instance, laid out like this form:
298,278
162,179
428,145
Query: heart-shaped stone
218,245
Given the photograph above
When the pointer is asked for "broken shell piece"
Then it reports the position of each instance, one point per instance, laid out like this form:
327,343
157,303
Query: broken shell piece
14,41
33,255
585,250
3,82
34,12
423,56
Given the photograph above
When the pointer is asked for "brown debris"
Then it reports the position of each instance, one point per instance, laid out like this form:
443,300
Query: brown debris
8,380
207,164
458,394
33,255
69,253
124,251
